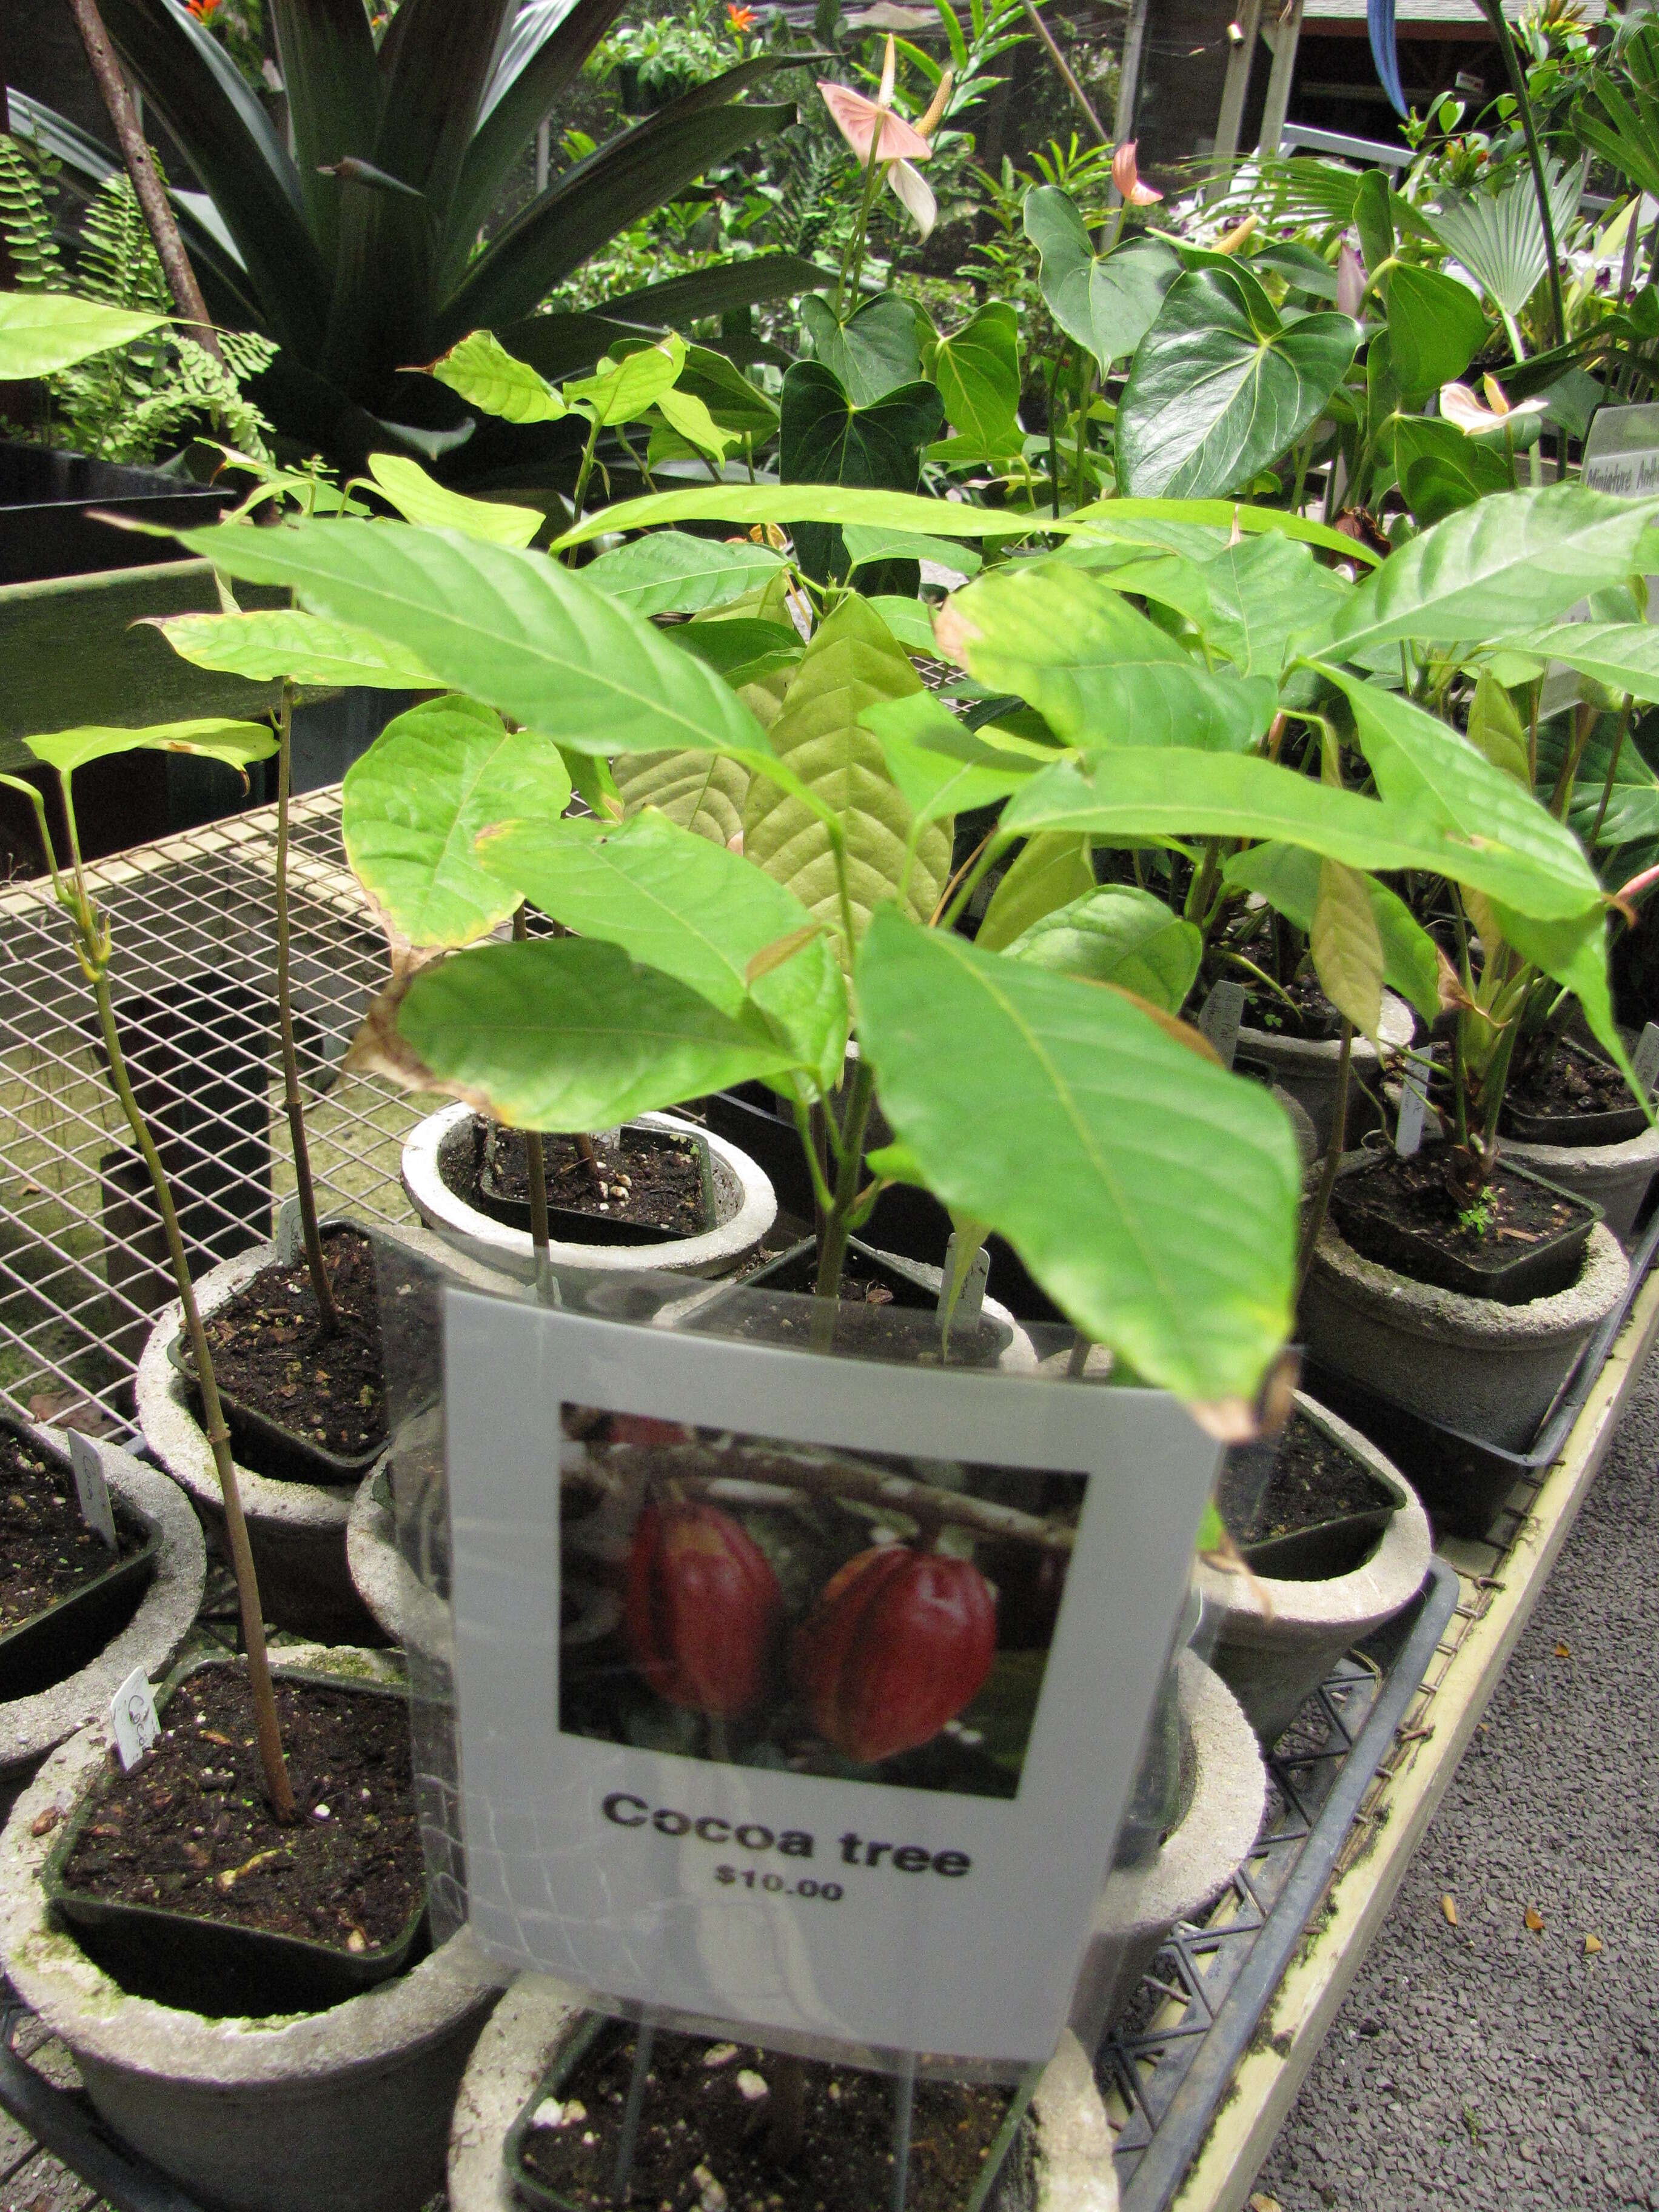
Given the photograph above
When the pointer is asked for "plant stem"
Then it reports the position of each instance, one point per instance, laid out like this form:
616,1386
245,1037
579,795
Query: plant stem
1493,12
1054,434
580,492
1085,393
1613,770
1067,78
328,1316
152,197
832,1247
855,255
535,1158
1333,1151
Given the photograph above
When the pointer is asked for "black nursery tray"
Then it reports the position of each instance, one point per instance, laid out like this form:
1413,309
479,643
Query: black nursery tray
51,1646
1327,1548
571,1224
284,1455
1614,1126
215,1967
1510,1278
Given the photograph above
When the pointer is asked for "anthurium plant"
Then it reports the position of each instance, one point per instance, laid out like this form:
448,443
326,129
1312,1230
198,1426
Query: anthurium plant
1188,694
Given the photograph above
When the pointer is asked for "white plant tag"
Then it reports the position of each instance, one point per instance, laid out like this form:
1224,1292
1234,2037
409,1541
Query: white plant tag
1645,1059
1414,1104
972,1295
1219,1019
91,1488
133,1716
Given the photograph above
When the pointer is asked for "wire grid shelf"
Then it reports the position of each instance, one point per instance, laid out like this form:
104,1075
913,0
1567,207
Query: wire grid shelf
82,1268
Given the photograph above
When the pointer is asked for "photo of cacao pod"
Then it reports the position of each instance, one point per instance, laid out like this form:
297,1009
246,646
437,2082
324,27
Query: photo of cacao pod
702,1608
898,1644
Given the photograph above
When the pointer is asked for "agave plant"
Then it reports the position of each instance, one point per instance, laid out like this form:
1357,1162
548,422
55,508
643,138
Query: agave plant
359,252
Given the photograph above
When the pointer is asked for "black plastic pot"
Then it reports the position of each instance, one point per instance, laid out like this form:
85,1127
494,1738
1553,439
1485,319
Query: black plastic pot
572,1224
214,1966
1616,1127
53,1646
793,1273
45,530
1326,1549
1510,1279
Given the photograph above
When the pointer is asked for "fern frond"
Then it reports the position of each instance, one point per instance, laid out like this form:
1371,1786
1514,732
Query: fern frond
27,191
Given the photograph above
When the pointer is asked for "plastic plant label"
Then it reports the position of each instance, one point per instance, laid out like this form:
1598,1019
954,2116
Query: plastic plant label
1621,453
1219,1020
971,1299
92,1488
1645,1059
133,1716
1414,1104
801,1692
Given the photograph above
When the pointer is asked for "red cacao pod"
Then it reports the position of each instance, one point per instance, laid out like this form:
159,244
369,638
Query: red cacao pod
898,1643
703,1608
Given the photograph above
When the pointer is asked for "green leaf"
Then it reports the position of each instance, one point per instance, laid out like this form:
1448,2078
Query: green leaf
733,401
744,649
1347,946
41,332
1098,672
568,1034
489,377
1152,1195
271,644
1373,218
1574,953
690,421
1117,934
864,544
236,744
416,802
622,391
1106,302
670,573
511,629
1050,871
1499,238
827,440
700,792
1435,328
941,769
683,905
1218,389
1246,602
1288,876
1441,470
1155,520
1491,570
977,373
421,498
1625,656
852,663
1495,729
873,353
910,622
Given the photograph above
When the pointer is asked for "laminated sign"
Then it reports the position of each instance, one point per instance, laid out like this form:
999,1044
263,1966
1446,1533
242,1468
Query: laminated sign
799,1692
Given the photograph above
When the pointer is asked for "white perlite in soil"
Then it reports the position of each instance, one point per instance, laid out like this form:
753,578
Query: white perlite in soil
1489,2068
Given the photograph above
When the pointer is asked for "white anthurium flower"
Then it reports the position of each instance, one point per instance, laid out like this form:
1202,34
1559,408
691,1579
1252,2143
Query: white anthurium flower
875,133
1492,418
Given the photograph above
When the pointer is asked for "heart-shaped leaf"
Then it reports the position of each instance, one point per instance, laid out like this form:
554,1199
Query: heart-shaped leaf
1436,327
828,439
874,352
1106,302
977,373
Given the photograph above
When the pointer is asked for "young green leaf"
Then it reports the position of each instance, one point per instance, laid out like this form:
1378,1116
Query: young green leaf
1288,876
743,649
1106,302
1050,871
273,644
1435,328
1152,1195
421,498
416,802
864,544
1625,656
496,382
1347,946
41,332
977,373
1496,730
623,391
941,769
236,744
670,573
685,414
1117,934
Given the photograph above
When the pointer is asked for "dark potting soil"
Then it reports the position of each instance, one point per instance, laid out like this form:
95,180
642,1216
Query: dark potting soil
1313,1480
1567,1081
1309,1016
1515,1214
190,1830
697,2123
657,1182
268,1351
46,1549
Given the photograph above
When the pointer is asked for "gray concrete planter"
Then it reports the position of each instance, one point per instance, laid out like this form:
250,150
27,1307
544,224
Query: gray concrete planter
404,1610
343,2111
31,1727
1307,1070
1614,1176
744,1201
297,1529
1276,1641
1074,2169
1489,1371
1140,1905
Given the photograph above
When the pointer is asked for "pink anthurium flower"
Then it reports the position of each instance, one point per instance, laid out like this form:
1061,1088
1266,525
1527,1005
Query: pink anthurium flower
1126,175
875,133
1350,283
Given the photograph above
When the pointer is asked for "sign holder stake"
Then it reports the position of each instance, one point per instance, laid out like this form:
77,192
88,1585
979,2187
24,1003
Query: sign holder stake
904,2100
630,2126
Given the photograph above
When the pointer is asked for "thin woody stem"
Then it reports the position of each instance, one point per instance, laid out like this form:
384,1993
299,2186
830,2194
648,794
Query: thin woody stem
535,1157
328,1315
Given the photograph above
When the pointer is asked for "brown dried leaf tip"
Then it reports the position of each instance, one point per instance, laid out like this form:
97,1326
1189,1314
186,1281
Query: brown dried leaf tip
1535,1921
1448,1906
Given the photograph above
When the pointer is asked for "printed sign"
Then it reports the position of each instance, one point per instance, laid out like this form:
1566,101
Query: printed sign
799,1692
133,1717
1621,453
91,1487
1220,1020
1413,1103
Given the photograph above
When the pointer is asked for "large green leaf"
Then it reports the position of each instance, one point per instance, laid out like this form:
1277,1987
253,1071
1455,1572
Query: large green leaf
1499,237
215,738
1288,876
1259,593
1098,672
1107,302
875,351
1117,934
941,768
701,792
1623,655
977,372
1504,565
489,377
1435,328
1152,1195
852,663
421,498
826,439
566,1033
1052,870
514,630
325,51
41,332
683,905
1219,387
416,802
273,644
669,573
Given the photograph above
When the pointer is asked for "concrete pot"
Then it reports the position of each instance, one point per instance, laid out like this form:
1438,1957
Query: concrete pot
1140,1904
31,1727
343,2111
1307,1070
1614,1176
297,1529
1074,2171
404,1610
1276,1641
744,1198
1489,1371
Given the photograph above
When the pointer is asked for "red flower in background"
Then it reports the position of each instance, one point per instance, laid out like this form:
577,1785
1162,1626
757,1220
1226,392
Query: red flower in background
203,10
740,19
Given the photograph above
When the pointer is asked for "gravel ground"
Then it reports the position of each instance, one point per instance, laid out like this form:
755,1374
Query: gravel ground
1492,2064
